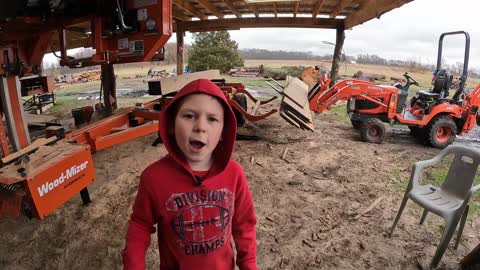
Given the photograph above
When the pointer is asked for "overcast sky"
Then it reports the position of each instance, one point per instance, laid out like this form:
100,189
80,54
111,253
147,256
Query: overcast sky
410,32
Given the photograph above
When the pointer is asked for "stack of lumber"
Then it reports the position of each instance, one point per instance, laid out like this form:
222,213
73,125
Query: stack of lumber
158,73
244,72
88,76
372,77
167,85
294,107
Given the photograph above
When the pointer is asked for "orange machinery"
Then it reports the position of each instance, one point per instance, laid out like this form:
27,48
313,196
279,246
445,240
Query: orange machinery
432,116
120,31
55,173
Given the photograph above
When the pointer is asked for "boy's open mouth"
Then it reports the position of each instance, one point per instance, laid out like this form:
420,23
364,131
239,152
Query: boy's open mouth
196,145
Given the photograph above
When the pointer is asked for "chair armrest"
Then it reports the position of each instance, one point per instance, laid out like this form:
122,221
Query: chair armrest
471,191
420,166
475,188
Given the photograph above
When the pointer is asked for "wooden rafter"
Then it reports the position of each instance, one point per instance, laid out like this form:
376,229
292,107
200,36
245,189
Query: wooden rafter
180,16
275,9
343,4
223,24
317,8
188,7
211,8
254,9
231,6
372,9
295,9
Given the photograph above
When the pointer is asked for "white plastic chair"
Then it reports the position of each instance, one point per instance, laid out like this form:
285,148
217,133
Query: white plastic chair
450,201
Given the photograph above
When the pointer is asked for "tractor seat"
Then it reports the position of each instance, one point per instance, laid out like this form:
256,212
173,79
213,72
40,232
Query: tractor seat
428,95
442,83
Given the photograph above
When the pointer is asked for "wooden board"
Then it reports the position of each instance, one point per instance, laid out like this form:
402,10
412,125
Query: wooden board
298,91
35,145
44,157
291,117
39,119
173,84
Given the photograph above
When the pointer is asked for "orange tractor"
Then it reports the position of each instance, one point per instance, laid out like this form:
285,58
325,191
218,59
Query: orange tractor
431,115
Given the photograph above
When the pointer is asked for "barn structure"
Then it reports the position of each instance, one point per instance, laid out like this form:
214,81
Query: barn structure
122,31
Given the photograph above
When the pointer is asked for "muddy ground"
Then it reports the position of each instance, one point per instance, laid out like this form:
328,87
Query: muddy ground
307,204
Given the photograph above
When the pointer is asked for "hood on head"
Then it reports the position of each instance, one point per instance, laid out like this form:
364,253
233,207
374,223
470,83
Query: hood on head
224,149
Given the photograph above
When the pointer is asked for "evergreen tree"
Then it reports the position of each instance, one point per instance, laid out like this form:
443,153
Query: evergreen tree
214,50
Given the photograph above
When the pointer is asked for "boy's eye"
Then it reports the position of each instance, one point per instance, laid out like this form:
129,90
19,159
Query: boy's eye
212,119
188,116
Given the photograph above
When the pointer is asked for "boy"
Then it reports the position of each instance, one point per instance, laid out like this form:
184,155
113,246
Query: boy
197,195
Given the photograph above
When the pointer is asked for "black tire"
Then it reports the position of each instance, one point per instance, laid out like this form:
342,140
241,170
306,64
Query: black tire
414,131
478,119
372,131
348,106
241,99
357,124
441,132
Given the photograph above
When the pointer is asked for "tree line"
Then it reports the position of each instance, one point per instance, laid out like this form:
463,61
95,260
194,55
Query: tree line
217,50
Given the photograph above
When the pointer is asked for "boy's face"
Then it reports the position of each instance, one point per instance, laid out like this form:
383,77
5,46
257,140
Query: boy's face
198,127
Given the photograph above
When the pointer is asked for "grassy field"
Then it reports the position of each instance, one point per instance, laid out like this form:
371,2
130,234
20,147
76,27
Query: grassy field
135,77
422,76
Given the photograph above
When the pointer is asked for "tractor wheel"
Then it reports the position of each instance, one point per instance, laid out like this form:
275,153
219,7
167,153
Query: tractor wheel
478,119
372,131
241,99
441,132
357,124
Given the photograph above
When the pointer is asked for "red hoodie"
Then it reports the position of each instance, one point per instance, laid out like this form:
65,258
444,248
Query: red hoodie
196,218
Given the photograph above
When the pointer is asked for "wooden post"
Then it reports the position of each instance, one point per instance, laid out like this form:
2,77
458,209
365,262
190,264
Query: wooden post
337,54
109,88
180,33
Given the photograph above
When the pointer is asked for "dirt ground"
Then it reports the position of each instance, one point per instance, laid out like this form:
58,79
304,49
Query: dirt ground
307,205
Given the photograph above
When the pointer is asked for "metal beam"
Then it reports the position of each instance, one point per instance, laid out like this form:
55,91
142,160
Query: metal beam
343,4
372,9
231,6
317,8
211,8
185,5
229,24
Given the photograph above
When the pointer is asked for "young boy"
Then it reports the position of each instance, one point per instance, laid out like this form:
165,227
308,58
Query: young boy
197,195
